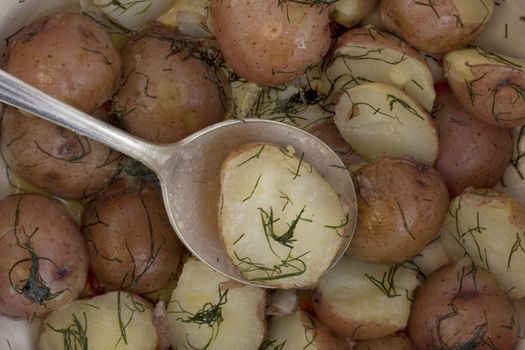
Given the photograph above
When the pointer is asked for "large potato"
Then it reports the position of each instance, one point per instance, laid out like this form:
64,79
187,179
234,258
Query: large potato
281,223
436,26
471,152
43,260
489,85
54,159
270,42
68,56
462,307
131,243
361,300
402,205
168,89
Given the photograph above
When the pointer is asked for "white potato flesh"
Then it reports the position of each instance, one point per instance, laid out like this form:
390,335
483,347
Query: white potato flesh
209,311
379,120
189,16
282,224
18,334
488,226
369,293
116,320
282,302
358,62
350,12
431,258
513,180
133,14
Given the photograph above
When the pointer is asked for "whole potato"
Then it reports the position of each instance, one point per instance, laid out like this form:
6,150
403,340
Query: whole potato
471,152
169,90
131,243
402,205
68,56
462,307
270,42
436,26
43,260
54,159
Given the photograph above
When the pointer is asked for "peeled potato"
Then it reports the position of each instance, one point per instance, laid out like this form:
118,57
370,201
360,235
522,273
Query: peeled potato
381,120
281,223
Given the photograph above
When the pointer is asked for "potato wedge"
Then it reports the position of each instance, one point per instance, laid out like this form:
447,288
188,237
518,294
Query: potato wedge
281,223
380,120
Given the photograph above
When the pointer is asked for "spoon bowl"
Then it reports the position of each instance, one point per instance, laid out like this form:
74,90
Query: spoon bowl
189,170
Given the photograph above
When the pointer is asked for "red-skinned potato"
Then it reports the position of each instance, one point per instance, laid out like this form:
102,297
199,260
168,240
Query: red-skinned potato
68,56
270,43
44,259
395,341
436,26
462,307
471,152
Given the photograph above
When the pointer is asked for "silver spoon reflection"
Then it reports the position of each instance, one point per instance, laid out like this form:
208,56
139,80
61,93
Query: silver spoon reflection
189,169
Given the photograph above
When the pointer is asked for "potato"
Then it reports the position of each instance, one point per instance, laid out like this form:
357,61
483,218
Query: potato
462,307
513,180
402,205
471,152
133,14
300,331
436,26
68,56
54,159
350,12
208,310
488,85
189,17
365,54
44,262
361,300
488,226
168,91
380,120
281,223
131,243
431,258
278,40
116,320
19,334
396,341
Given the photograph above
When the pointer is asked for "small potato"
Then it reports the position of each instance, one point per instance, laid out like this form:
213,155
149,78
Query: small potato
44,261
209,311
68,56
380,120
471,152
462,307
488,85
362,301
436,26
168,91
350,12
396,341
116,320
299,330
270,42
489,227
131,243
366,54
281,223
54,159
402,205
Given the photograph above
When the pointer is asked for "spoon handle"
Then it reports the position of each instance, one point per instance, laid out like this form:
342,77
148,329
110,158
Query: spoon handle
21,95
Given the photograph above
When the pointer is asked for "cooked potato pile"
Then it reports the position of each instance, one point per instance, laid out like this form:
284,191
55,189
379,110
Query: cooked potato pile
423,101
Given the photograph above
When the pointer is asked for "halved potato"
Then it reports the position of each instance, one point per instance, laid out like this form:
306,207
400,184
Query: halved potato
281,223
19,334
362,300
365,55
133,14
381,120
431,258
188,16
350,12
209,311
513,180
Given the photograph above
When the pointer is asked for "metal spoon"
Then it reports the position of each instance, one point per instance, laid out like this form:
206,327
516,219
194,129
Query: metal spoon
189,169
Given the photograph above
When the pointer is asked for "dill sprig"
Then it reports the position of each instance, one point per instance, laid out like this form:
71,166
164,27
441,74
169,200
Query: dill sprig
387,283
289,266
75,335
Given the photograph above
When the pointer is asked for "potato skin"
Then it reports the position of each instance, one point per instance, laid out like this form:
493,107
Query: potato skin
431,26
54,159
267,43
49,241
124,250
396,341
402,205
461,306
68,56
471,152
165,94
